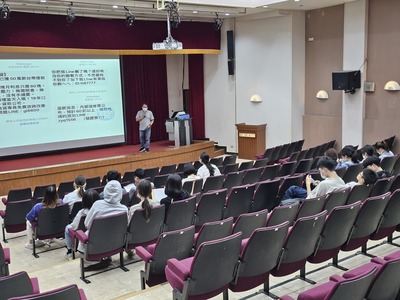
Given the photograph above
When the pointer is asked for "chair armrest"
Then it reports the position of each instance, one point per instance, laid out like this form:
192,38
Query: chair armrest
286,297
378,260
81,236
178,268
4,200
33,224
2,213
143,254
71,232
7,256
35,285
82,294
336,278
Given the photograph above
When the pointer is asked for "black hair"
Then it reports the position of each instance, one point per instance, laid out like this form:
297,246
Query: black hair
349,152
326,162
205,159
89,197
331,153
189,169
50,197
371,160
173,187
113,175
144,189
369,149
80,184
369,176
139,173
381,145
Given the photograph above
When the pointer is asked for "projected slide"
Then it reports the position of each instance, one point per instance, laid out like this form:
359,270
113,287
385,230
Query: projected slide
52,104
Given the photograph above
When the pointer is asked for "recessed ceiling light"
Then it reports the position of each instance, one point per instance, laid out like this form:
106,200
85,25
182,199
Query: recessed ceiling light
195,11
227,14
265,6
115,6
43,1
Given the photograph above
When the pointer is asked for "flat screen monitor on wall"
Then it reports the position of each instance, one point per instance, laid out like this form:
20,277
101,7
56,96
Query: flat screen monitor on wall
50,103
347,81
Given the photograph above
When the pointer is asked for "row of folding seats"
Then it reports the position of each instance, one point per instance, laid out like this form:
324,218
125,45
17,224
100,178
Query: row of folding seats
376,280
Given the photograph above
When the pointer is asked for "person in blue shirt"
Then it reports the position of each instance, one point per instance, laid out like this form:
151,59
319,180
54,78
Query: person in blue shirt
50,200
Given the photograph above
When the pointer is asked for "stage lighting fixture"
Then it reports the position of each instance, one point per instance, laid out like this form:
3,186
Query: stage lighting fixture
129,18
5,11
174,19
173,15
218,23
70,14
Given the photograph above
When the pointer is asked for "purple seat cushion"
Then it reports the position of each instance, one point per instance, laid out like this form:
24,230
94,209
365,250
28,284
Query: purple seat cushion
317,293
394,255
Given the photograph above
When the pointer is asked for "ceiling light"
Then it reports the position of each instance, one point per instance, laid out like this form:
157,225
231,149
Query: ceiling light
195,11
70,14
42,1
115,6
227,14
218,23
5,11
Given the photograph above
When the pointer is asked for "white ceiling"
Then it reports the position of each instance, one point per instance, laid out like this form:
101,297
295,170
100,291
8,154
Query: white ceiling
147,9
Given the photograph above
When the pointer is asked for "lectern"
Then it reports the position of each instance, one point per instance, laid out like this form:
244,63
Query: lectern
251,140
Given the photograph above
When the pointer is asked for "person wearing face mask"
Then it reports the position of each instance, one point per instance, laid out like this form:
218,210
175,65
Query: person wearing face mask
146,119
331,182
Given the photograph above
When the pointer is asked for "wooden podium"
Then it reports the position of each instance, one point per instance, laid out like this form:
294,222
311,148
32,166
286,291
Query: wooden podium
251,140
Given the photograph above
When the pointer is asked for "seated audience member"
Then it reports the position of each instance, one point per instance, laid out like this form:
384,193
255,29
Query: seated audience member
189,173
89,197
345,157
77,193
366,151
50,200
111,175
366,176
174,191
331,182
109,206
143,191
382,149
138,176
374,163
331,153
207,169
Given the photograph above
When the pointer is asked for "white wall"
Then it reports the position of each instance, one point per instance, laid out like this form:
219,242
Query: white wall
175,75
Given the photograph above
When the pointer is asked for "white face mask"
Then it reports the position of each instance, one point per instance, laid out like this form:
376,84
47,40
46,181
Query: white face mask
323,176
144,108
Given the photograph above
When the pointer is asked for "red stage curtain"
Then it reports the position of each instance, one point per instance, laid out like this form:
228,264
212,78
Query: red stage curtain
145,81
196,95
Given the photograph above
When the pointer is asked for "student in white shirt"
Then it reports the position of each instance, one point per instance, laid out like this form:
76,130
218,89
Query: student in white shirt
76,195
207,169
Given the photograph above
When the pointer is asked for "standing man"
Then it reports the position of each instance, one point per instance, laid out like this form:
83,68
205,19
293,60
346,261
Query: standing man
146,119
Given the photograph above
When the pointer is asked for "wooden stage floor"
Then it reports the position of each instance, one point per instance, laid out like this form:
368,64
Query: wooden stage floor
56,168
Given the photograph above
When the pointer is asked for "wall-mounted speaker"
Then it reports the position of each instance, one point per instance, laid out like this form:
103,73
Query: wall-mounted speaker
230,44
346,80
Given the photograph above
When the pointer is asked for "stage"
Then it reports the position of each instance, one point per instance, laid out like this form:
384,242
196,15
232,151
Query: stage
56,168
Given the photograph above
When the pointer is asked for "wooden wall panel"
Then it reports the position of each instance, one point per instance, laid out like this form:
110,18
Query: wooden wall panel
322,128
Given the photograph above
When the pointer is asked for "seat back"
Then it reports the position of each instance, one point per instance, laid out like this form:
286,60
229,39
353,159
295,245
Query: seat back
282,214
302,238
310,152
5,260
193,186
166,170
265,195
214,264
19,194
337,226
370,215
233,179
388,163
304,165
127,201
381,186
287,169
259,163
275,154
351,173
229,159
39,191
246,165
142,232
151,173
288,182
239,200
70,292
106,236
230,168
77,206
213,231
353,288
15,217
336,198
310,207
51,222
180,214
64,188
160,181
217,161
213,183
93,182
247,223
290,149
210,207
269,172
181,166
359,193
386,284
129,176
391,216
395,184
252,175
396,168
15,285
173,244
283,152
